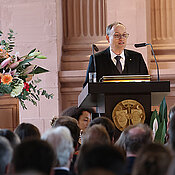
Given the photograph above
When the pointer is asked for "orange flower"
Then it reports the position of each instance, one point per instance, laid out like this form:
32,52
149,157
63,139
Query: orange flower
6,79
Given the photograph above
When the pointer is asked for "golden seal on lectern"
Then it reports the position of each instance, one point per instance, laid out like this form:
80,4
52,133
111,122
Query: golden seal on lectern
128,112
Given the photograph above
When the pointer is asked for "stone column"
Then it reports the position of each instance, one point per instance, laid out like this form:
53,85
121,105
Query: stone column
84,23
163,40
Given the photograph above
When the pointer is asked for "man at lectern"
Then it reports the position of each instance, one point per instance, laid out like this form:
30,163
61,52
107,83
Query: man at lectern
116,60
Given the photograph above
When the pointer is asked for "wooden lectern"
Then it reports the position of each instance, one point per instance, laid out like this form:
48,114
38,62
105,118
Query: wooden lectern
105,96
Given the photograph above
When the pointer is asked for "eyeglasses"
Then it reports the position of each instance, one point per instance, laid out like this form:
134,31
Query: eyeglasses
118,36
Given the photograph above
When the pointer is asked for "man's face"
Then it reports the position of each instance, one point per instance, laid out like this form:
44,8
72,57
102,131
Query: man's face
118,37
84,120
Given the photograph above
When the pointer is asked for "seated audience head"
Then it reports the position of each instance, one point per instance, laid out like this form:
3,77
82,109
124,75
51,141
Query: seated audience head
6,152
106,157
136,137
172,112
82,114
33,155
107,123
61,141
98,171
10,136
70,123
96,134
171,132
153,159
121,140
27,131
171,169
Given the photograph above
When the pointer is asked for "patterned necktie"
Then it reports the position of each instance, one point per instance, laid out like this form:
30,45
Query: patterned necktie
118,63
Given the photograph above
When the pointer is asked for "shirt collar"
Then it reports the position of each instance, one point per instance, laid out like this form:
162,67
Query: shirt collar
114,55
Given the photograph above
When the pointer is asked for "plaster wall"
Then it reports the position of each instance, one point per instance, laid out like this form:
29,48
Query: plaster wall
35,22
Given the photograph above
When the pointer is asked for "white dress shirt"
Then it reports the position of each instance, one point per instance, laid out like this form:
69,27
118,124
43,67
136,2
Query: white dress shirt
122,60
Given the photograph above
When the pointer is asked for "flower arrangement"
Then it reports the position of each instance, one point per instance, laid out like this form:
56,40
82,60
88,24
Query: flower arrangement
16,73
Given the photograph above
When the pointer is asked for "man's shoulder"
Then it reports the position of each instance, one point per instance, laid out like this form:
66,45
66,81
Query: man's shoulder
131,52
103,53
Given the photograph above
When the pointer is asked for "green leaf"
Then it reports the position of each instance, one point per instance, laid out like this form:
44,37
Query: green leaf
24,62
37,81
39,70
43,92
41,57
22,104
161,132
33,50
38,92
3,42
33,95
163,111
1,33
11,30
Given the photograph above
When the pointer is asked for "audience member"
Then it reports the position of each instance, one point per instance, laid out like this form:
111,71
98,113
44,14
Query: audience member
106,157
61,141
83,115
33,155
153,159
107,123
96,134
26,131
172,112
98,171
70,123
10,136
121,140
171,169
171,132
136,137
6,152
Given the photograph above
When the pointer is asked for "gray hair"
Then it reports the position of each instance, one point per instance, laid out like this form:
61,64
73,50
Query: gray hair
109,27
134,140
61,141
6,152
96,134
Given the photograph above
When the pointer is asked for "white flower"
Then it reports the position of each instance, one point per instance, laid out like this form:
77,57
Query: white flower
155,127
17,88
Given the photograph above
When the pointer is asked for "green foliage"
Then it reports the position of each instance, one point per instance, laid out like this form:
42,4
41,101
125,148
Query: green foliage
39,70
5,89
9,44
20,70
33,94
162,122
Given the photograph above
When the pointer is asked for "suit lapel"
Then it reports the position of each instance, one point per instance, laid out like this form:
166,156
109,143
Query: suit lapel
128,60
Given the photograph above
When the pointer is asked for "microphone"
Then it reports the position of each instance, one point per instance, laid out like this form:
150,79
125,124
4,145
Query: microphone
94,47
92,75
140,45
145,44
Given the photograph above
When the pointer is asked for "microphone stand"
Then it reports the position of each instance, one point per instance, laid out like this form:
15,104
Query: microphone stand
155,61
92,75
93,48
145,44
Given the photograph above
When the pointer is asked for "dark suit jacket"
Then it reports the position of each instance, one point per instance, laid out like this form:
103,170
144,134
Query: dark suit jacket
134,64
61,172
129,165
